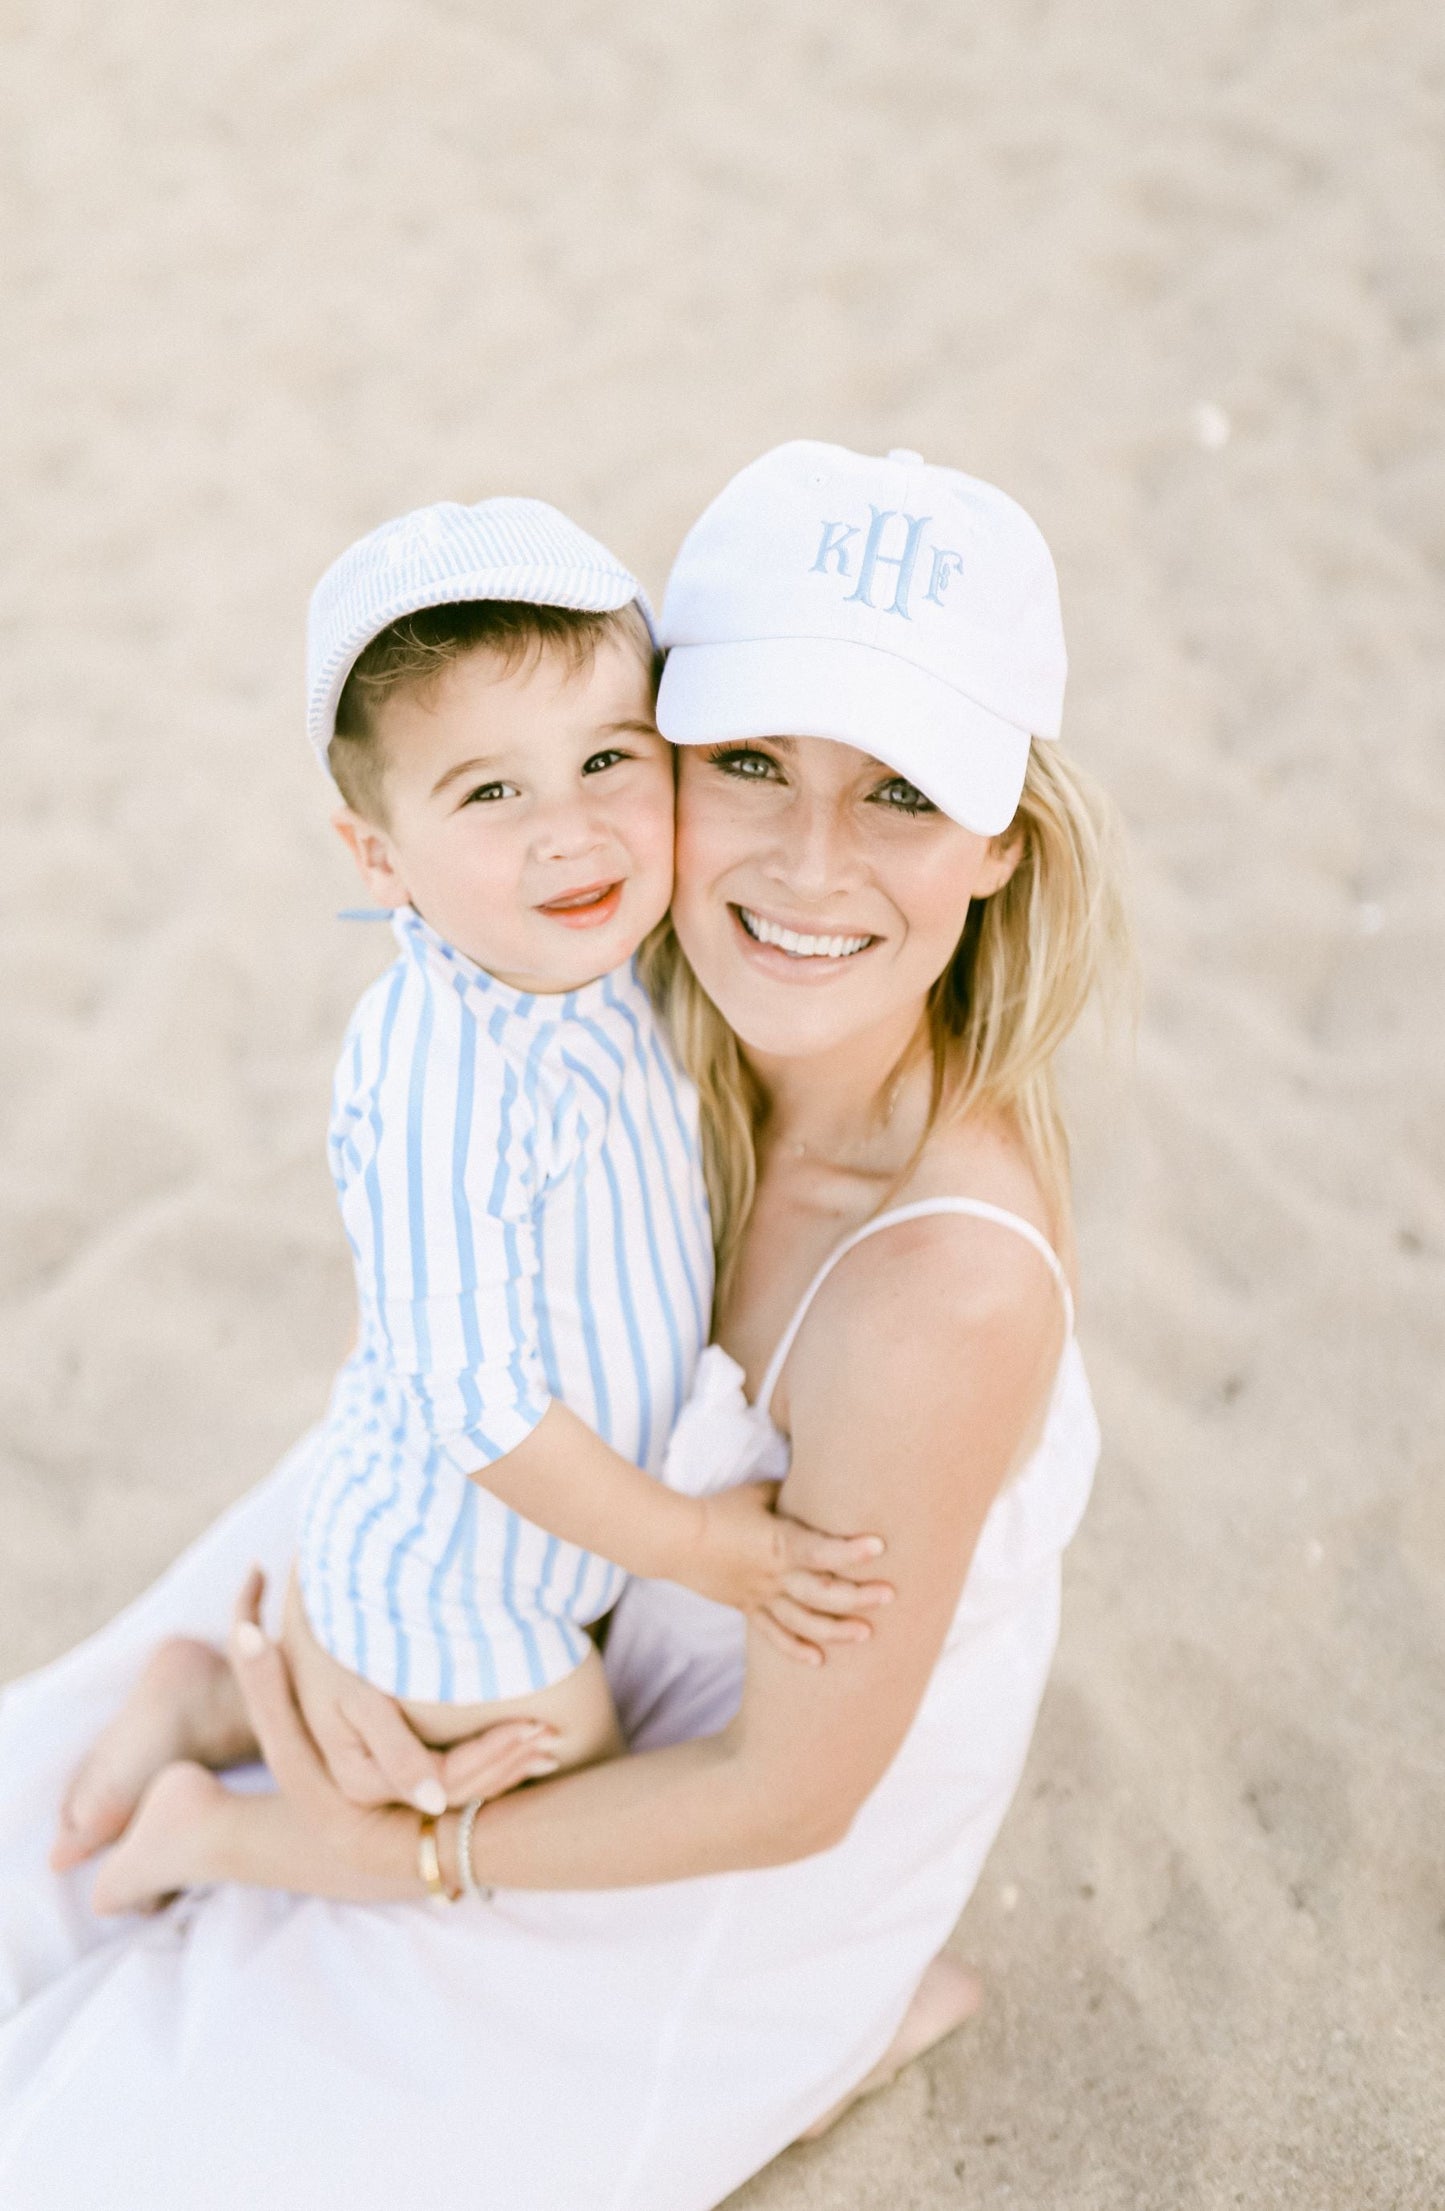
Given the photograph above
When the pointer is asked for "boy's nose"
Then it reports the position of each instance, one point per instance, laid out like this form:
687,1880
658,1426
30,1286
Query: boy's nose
566,832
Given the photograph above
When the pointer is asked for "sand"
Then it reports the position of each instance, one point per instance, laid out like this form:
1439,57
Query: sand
1172,275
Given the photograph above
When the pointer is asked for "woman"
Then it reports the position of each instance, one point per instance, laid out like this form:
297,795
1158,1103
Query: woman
889,911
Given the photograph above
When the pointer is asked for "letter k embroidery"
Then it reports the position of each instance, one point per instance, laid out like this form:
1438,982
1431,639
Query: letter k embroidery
834,547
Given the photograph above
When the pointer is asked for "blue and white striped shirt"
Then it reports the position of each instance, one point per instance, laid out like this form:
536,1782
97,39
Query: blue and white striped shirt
521,1183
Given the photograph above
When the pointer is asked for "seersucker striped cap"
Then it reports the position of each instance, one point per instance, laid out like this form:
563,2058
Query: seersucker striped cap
519,549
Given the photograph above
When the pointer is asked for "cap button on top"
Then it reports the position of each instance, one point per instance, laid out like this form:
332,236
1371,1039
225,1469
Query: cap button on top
904,453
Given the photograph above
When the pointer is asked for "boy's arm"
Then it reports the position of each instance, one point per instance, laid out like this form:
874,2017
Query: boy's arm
454,1310
731,1547
792,1581
565,1479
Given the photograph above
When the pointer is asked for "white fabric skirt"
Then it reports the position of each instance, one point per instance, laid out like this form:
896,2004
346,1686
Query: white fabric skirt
638,2050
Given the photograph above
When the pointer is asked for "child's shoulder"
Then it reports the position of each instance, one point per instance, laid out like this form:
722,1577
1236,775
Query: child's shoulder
387,1007
424,1025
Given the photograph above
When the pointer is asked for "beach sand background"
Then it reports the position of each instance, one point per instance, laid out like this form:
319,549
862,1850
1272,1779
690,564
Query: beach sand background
1173,276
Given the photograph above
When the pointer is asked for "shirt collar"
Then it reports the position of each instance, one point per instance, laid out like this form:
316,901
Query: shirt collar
417,936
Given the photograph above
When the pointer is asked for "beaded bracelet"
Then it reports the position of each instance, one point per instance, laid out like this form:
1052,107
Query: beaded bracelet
465,1871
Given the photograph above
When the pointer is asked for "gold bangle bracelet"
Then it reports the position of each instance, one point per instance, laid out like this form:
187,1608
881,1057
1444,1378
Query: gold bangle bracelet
429,1863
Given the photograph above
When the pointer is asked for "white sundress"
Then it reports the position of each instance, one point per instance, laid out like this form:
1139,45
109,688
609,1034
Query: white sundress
643,2049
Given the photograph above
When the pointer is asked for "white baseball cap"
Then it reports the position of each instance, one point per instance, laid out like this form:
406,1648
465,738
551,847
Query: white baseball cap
518,549
908,610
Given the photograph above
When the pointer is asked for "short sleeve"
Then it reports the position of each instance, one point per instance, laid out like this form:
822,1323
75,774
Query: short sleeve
434,1153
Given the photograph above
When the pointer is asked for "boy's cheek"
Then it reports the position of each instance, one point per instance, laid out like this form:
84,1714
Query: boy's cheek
654,830
659,868
660,872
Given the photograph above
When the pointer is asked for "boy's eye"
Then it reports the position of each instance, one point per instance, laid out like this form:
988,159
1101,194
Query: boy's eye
745,762
903,797
603,760
485,793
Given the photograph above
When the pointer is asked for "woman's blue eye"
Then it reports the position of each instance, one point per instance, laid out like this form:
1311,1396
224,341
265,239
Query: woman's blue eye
903,797
743,762
601,760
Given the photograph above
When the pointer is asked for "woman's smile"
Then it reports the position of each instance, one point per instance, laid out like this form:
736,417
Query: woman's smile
797,943
810,874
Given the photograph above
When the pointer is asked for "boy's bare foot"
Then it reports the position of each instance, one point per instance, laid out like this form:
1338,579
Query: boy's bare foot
185,1705
163,1848
946,1996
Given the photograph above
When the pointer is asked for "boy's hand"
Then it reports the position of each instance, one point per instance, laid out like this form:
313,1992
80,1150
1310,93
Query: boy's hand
799,1585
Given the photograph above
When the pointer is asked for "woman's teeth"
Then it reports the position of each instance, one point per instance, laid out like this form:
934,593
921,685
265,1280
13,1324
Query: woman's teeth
800,947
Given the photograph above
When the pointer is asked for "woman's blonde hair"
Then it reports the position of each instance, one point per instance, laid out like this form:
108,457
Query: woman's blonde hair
1026,965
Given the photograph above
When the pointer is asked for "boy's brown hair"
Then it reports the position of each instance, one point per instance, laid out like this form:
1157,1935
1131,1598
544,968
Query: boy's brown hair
413,654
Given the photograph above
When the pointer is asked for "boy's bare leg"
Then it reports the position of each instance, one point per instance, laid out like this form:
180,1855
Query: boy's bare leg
186,1705
577,1710
190,1831
946,1996
164,1846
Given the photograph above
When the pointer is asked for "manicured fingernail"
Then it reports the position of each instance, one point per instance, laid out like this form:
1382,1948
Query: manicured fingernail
532,1729
537,1767
430,1797
875,1547
248,1639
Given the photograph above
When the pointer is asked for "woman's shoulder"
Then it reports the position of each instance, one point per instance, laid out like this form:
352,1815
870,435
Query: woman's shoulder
910,1291
985,1162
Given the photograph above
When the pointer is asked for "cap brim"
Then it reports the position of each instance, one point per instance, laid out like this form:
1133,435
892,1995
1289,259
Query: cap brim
521,585
968,761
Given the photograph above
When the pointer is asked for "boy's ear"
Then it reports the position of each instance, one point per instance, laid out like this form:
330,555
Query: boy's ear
1003,856
371,849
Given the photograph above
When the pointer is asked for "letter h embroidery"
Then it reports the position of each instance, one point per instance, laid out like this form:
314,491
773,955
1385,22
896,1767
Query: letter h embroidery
834,548
903,562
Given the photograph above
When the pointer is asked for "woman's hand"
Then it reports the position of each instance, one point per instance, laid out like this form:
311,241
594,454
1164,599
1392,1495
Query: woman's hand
796,1583
308,1837
370,1749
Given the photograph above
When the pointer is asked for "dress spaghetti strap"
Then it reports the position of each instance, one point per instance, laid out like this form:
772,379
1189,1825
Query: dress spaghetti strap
977,1208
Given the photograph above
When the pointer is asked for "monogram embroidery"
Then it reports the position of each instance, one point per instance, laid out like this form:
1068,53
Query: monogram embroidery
836,549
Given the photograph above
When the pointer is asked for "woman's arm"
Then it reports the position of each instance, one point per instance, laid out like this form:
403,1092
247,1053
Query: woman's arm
734,1549
922,1375
914,1390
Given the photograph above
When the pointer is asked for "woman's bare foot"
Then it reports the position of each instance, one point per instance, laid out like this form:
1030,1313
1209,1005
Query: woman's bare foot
946,1996
163,1848
185,1705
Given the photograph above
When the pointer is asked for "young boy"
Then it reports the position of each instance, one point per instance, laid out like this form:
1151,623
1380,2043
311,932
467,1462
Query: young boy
515,1150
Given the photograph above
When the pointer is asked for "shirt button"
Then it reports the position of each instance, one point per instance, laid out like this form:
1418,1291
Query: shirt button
902,453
